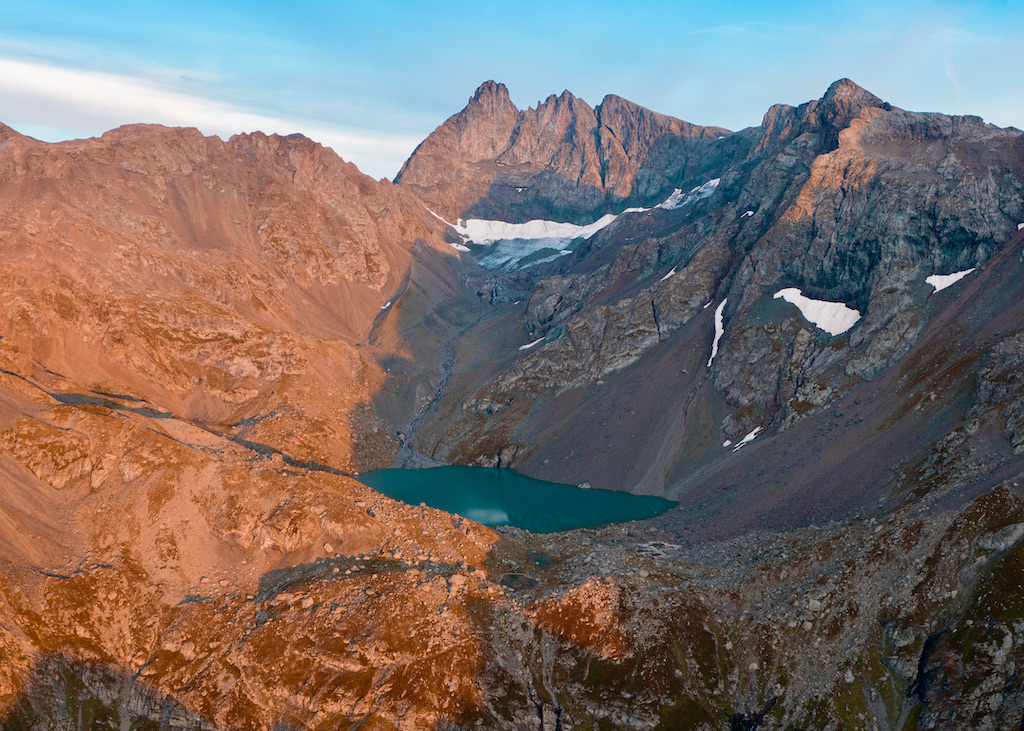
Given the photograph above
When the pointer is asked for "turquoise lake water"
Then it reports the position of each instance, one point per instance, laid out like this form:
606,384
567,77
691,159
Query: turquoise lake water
505,497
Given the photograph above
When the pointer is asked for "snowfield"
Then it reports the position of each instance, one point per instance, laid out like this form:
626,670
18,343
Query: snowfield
941,281
479,231
515,243
834,318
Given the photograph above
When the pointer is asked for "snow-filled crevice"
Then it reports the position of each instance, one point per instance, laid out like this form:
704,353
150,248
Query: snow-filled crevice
678,199
719,330
745,440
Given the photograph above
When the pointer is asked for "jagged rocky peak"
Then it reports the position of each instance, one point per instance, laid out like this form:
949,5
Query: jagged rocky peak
443,169
486,122
846,92
844,101
557,136
489,93
562,159
480,131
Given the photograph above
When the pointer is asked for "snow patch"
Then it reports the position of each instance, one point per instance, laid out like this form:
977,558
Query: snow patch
747,439
719,330
516,245
727,442
941,281
479,231
1020,226
669,275
386,305
832,317
678,199
530,345
748,213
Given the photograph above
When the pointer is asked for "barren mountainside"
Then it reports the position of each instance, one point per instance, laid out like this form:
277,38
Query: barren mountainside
808,333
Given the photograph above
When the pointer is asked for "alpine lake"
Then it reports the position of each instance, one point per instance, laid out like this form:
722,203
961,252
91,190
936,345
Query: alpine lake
504,497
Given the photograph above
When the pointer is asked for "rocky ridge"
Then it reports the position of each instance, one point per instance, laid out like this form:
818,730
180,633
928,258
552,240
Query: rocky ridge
563,157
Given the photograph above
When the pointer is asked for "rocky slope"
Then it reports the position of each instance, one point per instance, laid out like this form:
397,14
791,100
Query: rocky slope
183,391
230,283
202,341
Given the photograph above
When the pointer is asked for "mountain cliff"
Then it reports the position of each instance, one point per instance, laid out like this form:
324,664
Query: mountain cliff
808,333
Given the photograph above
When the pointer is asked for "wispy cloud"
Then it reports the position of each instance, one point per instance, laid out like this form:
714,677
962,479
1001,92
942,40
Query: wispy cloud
61,102
757,29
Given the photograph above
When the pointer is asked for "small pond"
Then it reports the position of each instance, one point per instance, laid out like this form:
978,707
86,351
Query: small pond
505,497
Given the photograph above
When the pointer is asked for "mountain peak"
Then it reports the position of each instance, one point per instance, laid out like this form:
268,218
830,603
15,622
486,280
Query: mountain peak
845,90
490,92
843,101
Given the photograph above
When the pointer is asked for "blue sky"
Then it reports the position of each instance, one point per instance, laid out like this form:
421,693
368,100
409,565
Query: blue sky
371,79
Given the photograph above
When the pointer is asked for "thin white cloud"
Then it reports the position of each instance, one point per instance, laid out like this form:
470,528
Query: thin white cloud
69,102
759,29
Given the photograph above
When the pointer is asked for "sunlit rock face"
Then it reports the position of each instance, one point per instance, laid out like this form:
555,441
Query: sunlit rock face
225,281
202,343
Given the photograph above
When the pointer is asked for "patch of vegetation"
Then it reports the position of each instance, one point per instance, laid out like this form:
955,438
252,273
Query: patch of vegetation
689,714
